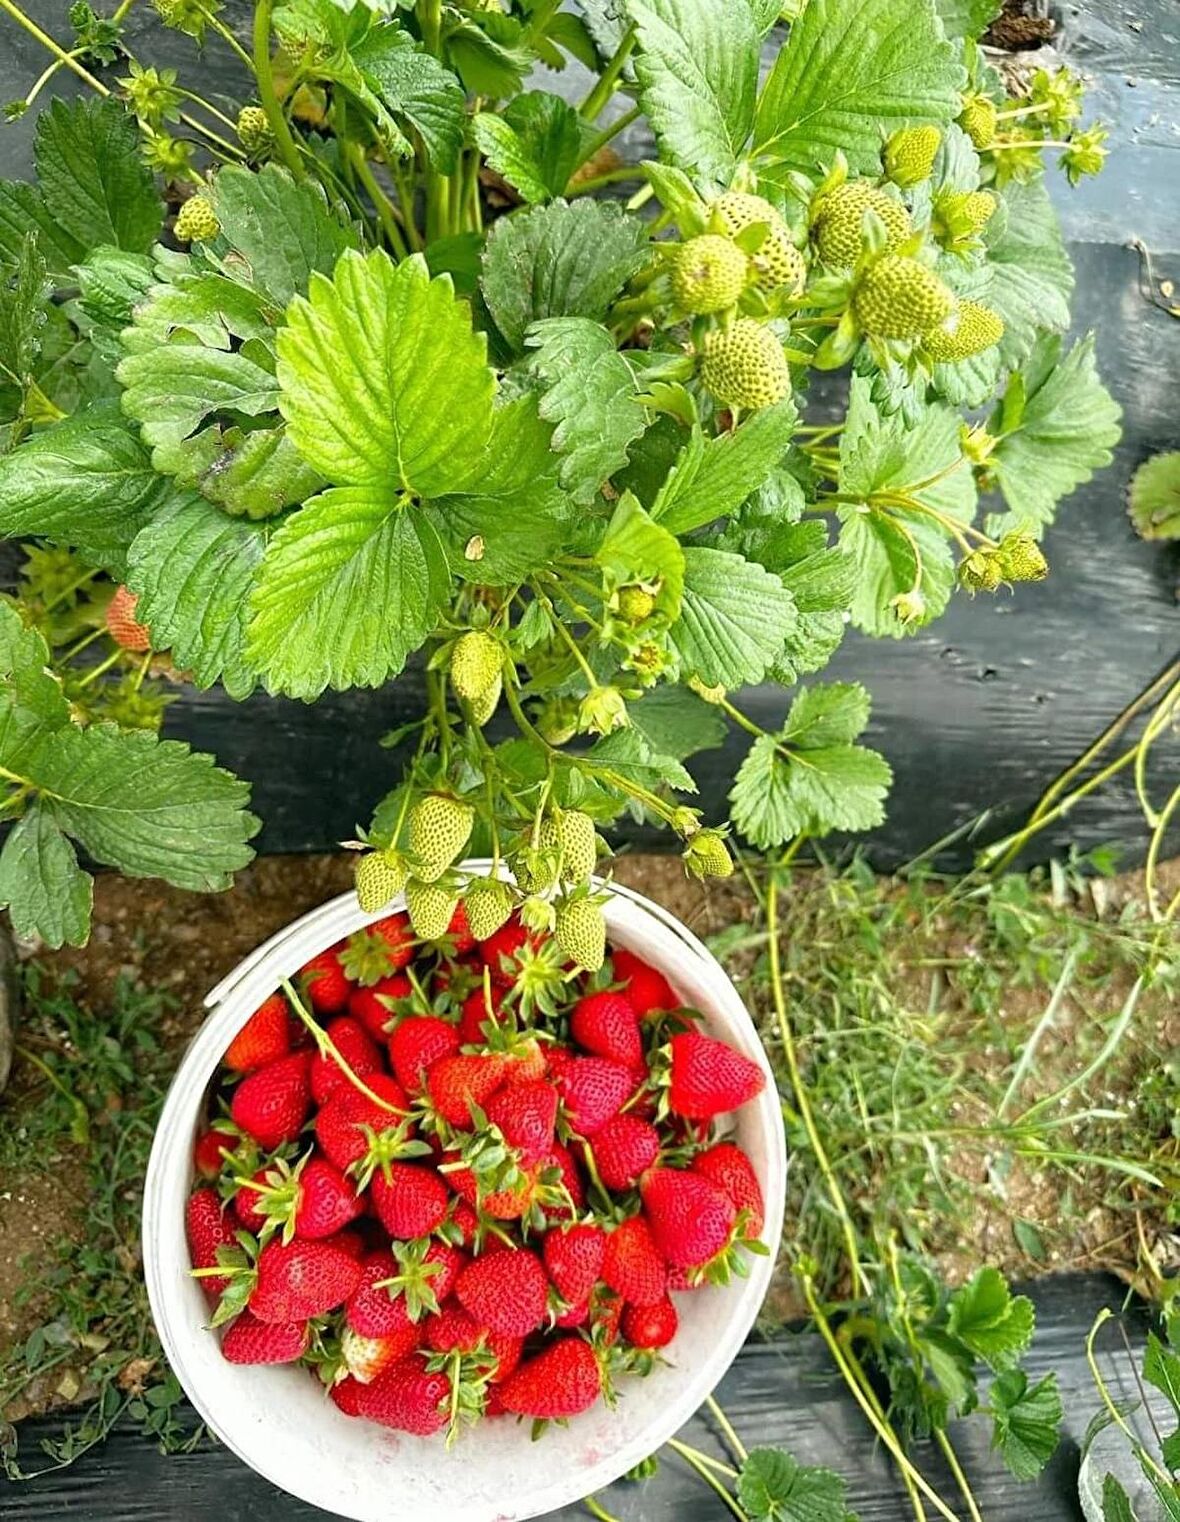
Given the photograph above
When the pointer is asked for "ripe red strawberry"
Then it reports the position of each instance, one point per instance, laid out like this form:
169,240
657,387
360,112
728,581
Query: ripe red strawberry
252,1341
681,1281
506,1290
247,1204
346,1394
373,1312
219,1138
560,1381
369,1007
727,1166
263,1039
593,1090
341,1125
327,987
408,1398
508,1351
208,1229
271,1104
526,1114
574,1316
649,991
359,1051
562,1159
367,1358
558,1059
606,1025
707,1077
410,1200
122,625
397,1291
475,1014
396,932
573,1260
352,1243
501,952
606,1313
452,1330
459,931
626,1147
417,1043
650,1326
456,1083
691,1219
299,1280
463,1222
632,1265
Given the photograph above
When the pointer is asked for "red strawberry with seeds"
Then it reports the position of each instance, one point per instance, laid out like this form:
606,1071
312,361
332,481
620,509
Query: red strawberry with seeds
456,1083
341,1125
417,1043
408,1398
373,1311
649,991
210,1145
558,1059
506,1290
593,1091
346,1394
625,1148
326,985
727,1166
459,931
271,1104
475,1014
707,1077
356,1047
691,1219
562,1380
371,1005
247,1203
249,1340
501,951
606,1025
507,1204
410,1199
573,1260
367,1358
122,624
463,1222
574,1316
299,1280
314,1199
632,1265
526,1114
452,1330
562,1159
264,1038
208,1229
650,1326
395,930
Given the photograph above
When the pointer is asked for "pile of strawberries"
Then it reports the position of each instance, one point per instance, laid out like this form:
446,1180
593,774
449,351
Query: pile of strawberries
462,1180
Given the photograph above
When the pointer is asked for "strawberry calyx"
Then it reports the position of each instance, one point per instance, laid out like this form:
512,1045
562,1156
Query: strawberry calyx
469,1375
413,1282
238,1264
393,1145
368,957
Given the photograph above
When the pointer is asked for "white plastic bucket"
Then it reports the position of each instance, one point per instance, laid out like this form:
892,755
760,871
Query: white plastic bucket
278,1419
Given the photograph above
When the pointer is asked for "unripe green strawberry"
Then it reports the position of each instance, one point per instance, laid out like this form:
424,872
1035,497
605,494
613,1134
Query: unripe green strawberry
484,706
488,901
430,906
839,222
254,132
899,298
579,846
980,571
776,262
476,662
978,120
196,221
380,876
581,932
959,216
709,273
975,328
635,604
745,366
439,829
706,855
1020,558
909,154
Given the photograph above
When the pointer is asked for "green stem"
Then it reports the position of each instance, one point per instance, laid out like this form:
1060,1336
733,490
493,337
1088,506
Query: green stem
595,1510
693,1460
405,196
102,668
600,141
380,200
611,177
267,94
227,36
55,48
948,1452
205,105
591,107
735,1443
430,21
328,1048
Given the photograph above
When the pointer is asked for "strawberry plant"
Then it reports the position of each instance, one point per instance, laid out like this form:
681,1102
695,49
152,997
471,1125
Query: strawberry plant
374,373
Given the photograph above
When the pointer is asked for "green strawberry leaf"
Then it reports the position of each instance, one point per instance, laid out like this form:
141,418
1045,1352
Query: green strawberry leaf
774,1487
192,567
629,752
172,389
535,143
25,673
1153,497
967,18
1025,1421
984,1315
383,382
1161,1368
560,260
93,177
1031,276
254,474
713,477
349,585
810,777
23,210
591,397
22,313
849,74
415,87
284,231
87,482
1116,1503
734,618
675,722
1066,431
697,67
822,580
41,884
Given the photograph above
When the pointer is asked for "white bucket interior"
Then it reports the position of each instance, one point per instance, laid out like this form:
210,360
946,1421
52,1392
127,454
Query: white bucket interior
279,1420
